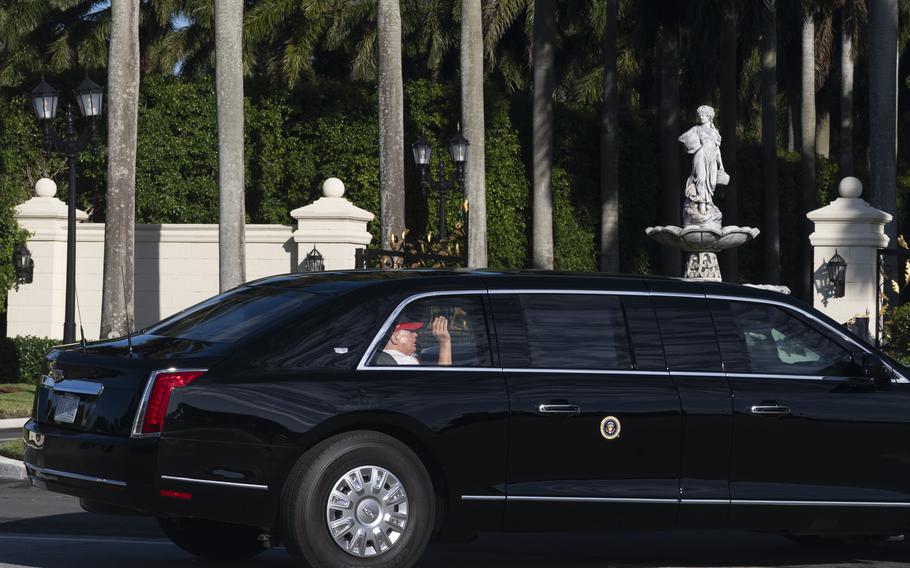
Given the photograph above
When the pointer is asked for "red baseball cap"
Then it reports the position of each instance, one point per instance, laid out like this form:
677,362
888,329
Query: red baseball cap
408,326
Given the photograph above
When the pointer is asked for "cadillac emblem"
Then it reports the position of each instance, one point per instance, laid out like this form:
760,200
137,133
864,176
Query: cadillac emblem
610,427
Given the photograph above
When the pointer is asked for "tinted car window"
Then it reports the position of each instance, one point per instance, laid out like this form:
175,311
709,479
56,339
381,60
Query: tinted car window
690,343
562,331
235,314
778,342
417,336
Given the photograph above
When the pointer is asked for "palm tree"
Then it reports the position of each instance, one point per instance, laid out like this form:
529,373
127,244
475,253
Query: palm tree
728,95
609,149
229,97
544,87
391,122
669,132
771,217
119,229
883,35
853,18
807,147
51,36
472,118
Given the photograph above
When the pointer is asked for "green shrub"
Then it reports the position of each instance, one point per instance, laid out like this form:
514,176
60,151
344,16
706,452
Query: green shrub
22,358
897,333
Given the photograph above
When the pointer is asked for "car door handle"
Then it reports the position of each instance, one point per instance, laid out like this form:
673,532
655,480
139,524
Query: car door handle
558,409
770,409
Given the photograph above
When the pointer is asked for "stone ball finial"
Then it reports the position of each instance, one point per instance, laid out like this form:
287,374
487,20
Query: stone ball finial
333,187
45,187
850,187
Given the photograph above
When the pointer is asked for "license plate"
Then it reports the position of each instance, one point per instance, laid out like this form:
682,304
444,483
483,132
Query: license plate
66,409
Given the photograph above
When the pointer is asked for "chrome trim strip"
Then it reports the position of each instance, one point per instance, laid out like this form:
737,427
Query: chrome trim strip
590,499
46,471
529,498
696,373
74,386
483,497
144,401
820,503
213,482
761,376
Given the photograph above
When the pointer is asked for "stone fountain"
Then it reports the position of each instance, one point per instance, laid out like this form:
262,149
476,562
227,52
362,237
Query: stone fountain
703,234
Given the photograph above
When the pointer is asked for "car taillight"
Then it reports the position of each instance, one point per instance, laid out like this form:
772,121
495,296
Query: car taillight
159,394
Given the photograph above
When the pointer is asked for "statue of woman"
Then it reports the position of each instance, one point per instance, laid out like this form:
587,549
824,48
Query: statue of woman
703,140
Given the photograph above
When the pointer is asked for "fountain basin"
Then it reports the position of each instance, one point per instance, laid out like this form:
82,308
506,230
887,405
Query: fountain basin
701,238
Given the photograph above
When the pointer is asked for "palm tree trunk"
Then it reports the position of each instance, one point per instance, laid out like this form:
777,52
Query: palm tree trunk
117,312
672,185
472,119
846,98
883,16
544,87
609,151
729,260
771,218
229,98
807,152
391,122
823,127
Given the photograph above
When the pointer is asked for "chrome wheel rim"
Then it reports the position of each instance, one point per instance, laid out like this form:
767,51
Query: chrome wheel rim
367,511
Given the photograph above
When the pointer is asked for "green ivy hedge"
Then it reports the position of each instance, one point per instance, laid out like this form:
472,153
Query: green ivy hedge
22,358
296,140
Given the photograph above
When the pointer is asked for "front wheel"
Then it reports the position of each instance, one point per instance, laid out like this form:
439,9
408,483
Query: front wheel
212,540
361,499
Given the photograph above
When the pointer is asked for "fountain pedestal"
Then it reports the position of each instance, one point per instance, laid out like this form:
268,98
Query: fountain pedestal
702,242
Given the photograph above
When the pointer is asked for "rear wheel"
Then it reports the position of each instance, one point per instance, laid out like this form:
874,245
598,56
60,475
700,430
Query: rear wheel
212,540
361,499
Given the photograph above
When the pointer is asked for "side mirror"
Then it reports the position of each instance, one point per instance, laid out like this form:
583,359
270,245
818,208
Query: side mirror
875,369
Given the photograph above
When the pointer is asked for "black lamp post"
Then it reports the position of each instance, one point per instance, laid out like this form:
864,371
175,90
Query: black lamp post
88,97
314,261
837,273
23,265
458,149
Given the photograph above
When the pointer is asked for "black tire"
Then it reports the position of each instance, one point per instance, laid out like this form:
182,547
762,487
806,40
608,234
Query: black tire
311,481
213,540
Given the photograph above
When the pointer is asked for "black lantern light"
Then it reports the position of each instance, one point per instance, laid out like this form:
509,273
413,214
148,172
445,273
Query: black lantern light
70,142
458,149
837,273
441,183
314,261
23,265
89,96
422,152
44,100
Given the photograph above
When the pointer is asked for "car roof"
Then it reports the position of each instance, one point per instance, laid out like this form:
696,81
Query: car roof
417,280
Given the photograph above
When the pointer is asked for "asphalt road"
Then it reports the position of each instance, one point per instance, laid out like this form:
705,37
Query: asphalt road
41,529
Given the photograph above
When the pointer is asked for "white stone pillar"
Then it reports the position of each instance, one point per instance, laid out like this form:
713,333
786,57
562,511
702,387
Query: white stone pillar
334,225
855,230
37,308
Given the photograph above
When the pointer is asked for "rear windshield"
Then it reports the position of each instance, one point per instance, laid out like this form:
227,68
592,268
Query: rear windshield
236,314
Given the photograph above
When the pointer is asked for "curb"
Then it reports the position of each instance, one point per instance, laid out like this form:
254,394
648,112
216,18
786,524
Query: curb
8,423
11,469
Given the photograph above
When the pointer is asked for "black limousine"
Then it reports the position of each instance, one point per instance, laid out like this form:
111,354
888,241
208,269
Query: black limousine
353,416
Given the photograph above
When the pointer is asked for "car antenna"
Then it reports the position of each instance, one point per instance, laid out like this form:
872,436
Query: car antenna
129,326
79,311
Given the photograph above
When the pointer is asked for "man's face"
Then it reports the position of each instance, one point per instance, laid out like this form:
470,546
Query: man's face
406,341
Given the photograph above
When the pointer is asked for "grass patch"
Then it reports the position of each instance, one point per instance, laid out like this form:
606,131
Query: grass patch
16,400
14,449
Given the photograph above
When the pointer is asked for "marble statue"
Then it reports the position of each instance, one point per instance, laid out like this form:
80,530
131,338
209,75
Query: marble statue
703,142
702,233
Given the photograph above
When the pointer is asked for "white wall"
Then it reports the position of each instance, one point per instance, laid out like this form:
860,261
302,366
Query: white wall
176,265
